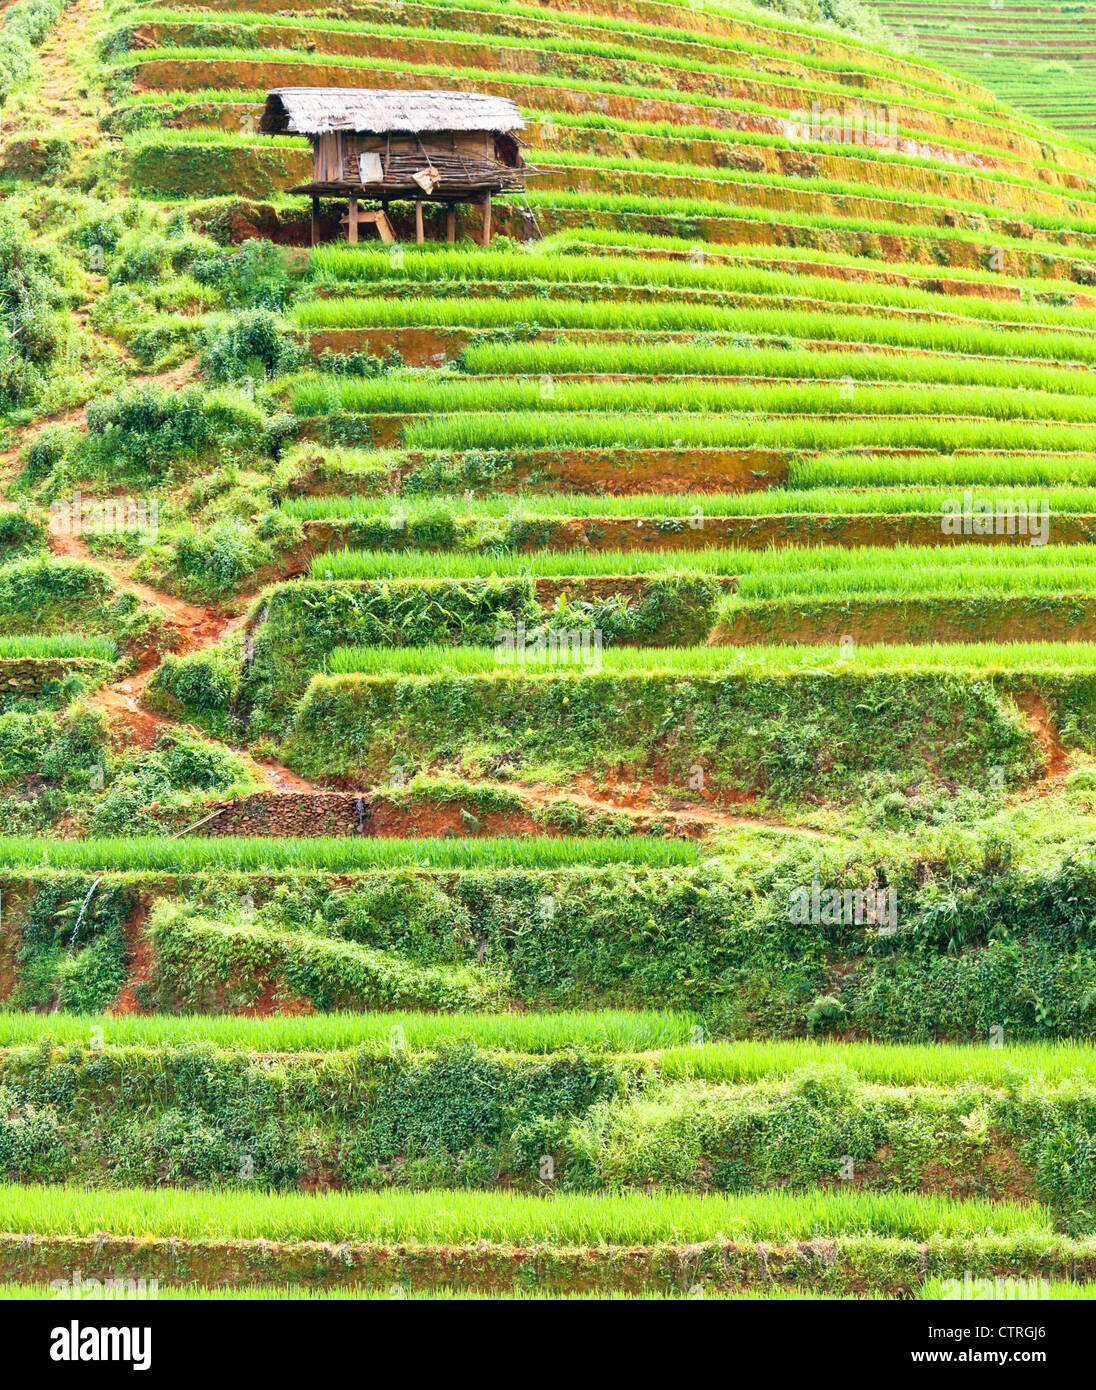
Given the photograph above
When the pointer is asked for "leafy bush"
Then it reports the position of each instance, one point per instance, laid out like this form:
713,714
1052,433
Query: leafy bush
218,559
18,534
180,761
49,447
99,229
142,255
252,276
28,295
252,345
205,684
25,25
147,428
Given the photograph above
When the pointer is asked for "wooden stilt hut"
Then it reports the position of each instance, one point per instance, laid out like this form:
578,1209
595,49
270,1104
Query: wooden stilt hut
446,147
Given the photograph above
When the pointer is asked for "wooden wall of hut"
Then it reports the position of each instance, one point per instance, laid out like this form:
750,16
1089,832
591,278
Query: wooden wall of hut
336,153
327,157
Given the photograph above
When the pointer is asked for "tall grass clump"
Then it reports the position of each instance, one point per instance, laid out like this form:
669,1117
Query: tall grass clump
338,264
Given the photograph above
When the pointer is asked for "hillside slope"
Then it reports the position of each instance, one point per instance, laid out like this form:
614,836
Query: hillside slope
526,767
1039,55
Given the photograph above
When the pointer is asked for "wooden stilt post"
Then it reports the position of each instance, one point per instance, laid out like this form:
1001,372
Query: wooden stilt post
451,222
486,239
352,220
420,235
315,220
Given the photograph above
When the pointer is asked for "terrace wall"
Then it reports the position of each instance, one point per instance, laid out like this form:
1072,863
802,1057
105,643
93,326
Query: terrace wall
28,676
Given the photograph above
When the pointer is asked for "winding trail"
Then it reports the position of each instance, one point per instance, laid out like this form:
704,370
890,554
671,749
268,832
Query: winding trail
66,98
61,79
687,817
193,628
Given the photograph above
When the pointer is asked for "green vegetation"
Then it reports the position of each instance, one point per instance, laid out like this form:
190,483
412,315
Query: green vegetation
454,1218
385,1117
972,659
1026,53
444,516
193,853
368,564
340,267
58,645
616,1030
625,790
750,735
859,323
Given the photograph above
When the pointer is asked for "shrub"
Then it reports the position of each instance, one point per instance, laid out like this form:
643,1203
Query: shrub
148,428
253,275
28,294
49,447
252,345
25,25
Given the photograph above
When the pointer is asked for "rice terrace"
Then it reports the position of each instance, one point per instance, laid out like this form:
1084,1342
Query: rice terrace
547,656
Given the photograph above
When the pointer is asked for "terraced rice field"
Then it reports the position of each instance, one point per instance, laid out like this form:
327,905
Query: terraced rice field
558,769
1040,56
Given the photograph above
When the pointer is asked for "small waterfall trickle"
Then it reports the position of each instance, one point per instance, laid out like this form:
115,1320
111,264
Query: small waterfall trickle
80,916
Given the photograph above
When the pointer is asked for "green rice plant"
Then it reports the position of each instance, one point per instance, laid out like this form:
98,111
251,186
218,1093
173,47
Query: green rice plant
521,508
854,228
885,1064
58,645
850,60
968,571
1055,1290
411,564
191,854
338,265
974,659
1075,470
545,429
615,242
922,206
856,323
460,1218
563,358
652,65
166,137
452,396
615,1030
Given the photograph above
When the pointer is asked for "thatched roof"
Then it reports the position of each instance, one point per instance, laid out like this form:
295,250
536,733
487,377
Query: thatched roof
313,110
